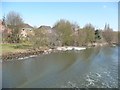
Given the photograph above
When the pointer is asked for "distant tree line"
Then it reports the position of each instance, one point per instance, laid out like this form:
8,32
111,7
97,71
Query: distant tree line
64,33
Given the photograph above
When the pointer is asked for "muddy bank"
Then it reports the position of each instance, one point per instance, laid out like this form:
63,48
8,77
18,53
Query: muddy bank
34,52
28,53
16,55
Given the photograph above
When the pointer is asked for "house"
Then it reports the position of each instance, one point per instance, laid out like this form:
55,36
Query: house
2,27
50,33
26,30
46,29
4,31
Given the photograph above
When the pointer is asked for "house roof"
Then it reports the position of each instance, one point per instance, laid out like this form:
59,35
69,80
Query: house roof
27,26
45,27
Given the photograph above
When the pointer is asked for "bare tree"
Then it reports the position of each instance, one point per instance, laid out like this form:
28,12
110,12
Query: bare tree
14,22
14,19
76,29
82,35
108,34
115,37
40,38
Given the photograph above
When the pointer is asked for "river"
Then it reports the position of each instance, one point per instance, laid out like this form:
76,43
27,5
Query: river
90,68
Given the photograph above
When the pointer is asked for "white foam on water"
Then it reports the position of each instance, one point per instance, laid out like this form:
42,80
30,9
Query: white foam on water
32,55
98,75
90,81
27,57
70,85
23,58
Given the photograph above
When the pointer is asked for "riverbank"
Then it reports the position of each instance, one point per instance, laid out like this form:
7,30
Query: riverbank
21,51
33,52
16,55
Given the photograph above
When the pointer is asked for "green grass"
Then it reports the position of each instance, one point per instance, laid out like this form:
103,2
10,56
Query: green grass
21,47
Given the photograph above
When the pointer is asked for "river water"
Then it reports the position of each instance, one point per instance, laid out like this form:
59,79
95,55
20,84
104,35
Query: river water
90,68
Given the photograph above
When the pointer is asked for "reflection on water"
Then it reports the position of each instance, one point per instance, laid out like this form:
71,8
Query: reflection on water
89,53
93,67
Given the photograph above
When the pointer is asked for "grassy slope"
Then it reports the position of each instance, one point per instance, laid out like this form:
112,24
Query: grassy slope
7,48
20,47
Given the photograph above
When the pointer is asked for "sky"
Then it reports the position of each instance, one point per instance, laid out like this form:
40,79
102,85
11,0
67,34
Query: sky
82,13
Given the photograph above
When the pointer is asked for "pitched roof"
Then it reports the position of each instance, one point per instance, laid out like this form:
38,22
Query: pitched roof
45,27
27,26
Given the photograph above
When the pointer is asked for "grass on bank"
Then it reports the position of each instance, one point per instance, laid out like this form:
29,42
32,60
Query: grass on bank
20,47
